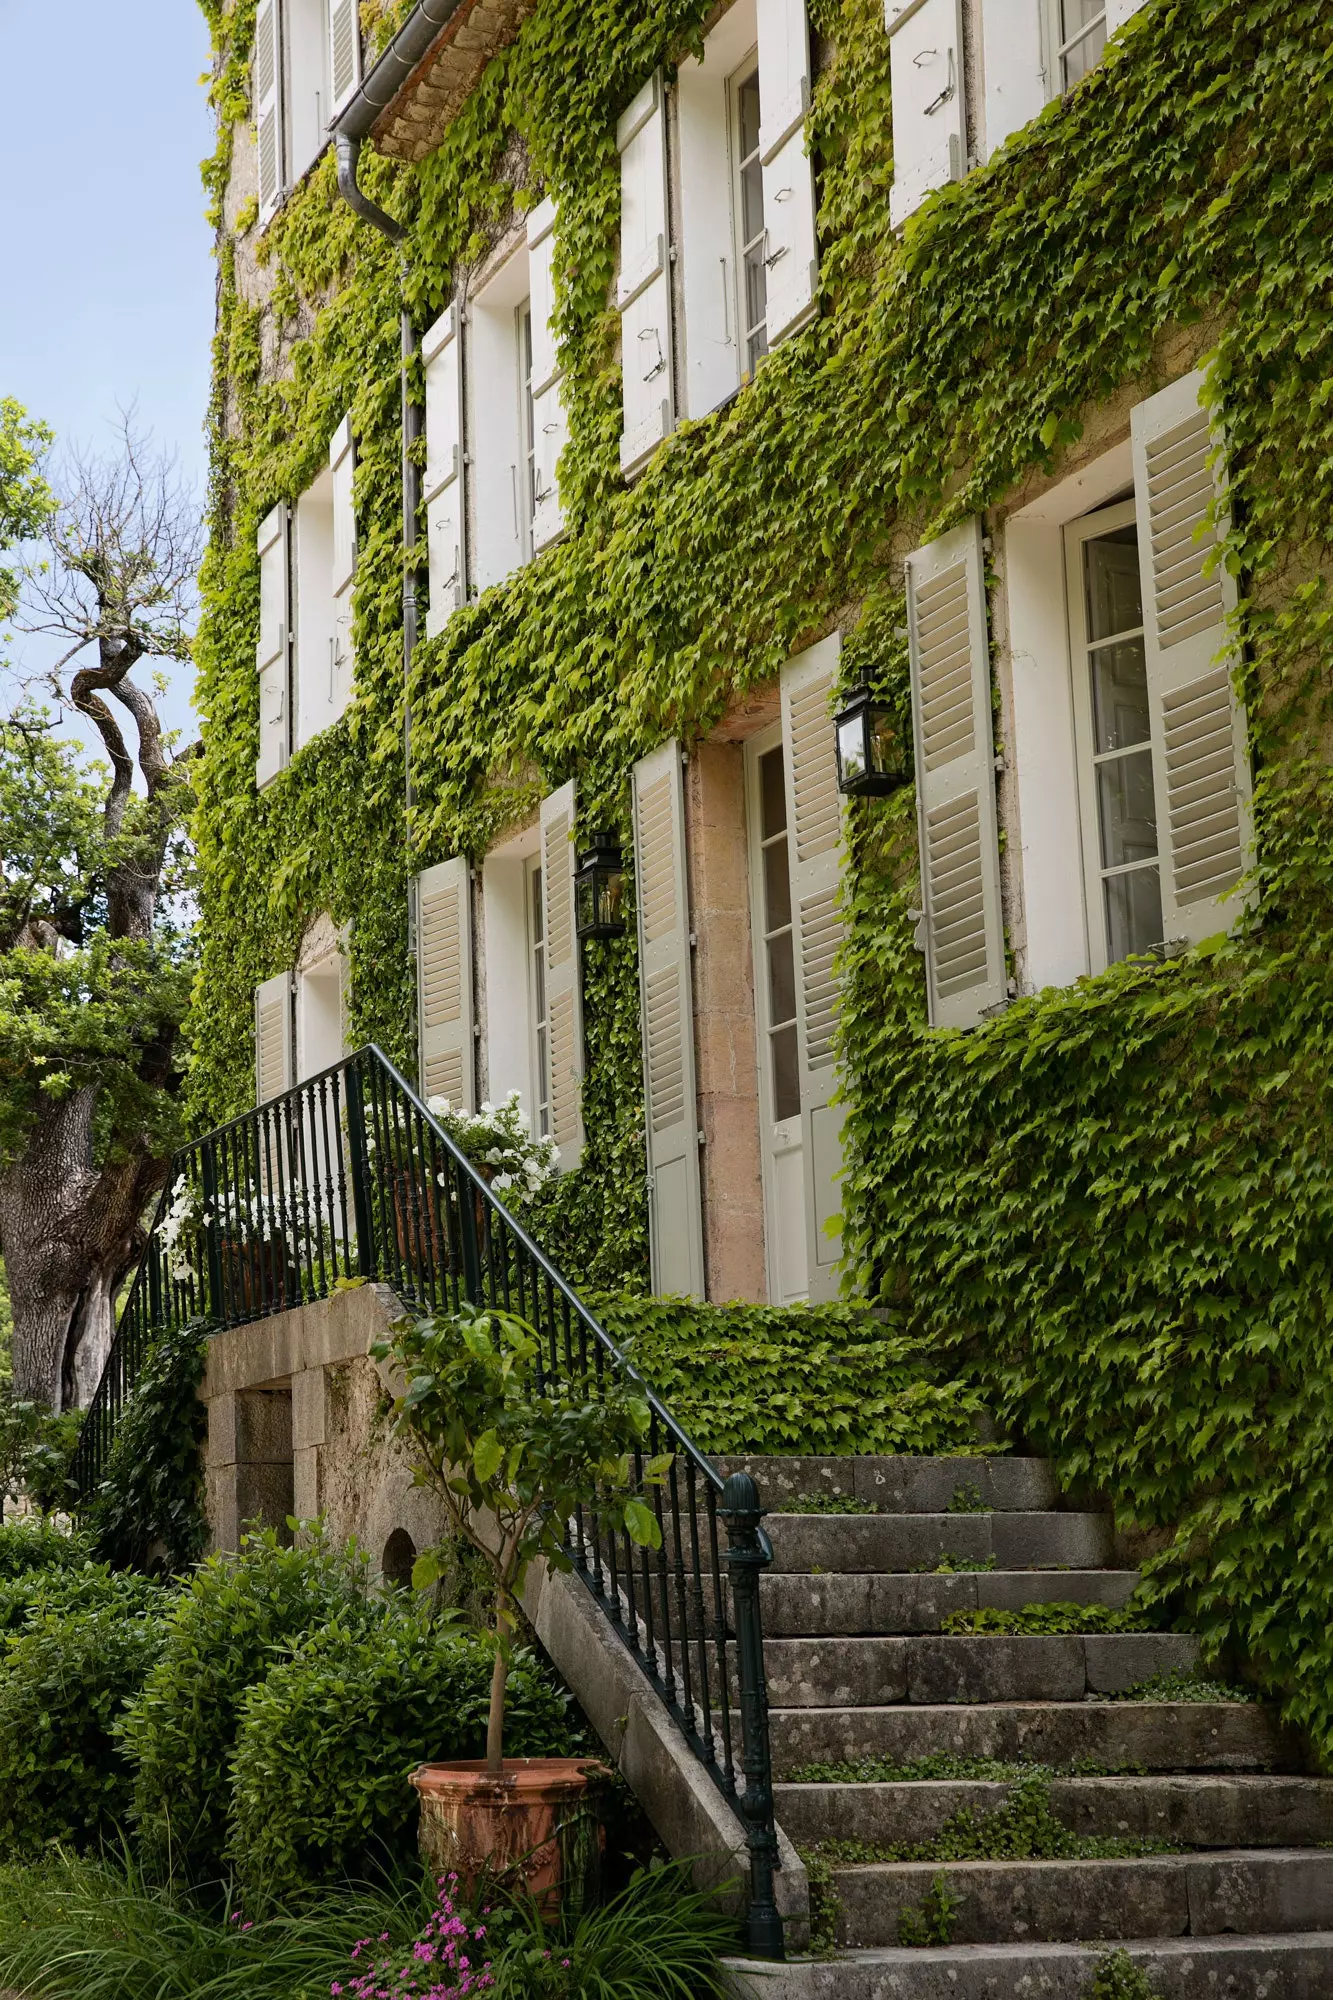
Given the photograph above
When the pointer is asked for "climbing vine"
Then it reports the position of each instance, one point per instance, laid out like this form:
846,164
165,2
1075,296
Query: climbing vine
1112,1205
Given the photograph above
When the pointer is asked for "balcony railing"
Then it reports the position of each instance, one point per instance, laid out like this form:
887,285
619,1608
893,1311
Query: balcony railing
348,1176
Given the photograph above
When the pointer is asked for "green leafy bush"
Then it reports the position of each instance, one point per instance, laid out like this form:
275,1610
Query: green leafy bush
64,1775
31,1544
70,1592
148,1511
238,1616
807,1379
327,1739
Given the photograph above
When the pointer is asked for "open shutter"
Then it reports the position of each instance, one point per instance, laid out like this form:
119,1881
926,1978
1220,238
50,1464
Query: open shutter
1200,762
266,93
929,118
564,999
441,355
643,292
1014,67
792,256
344,50
1118,12
272,649
444,983
342,464
675,1207
550,426
814,845
955,778
275,1064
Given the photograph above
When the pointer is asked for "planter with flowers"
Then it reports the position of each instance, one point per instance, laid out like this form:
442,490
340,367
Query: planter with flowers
498,1142
512,1456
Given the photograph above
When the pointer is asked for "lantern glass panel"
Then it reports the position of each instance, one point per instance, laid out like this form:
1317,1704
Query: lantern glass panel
852,746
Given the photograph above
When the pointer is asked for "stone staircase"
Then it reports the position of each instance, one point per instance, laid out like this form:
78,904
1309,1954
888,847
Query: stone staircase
1198,1847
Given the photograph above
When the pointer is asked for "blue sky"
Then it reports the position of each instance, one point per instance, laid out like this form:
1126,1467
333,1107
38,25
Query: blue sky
106,276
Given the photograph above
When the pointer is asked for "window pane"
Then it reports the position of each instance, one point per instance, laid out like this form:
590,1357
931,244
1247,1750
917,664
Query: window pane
752,200
777,887
535,880
1133,912
747,115
772,795
756,308
781,980
1114,591
1128,809
786,1076
1119,696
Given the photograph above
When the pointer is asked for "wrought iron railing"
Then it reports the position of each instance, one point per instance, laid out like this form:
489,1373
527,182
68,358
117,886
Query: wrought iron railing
348,1175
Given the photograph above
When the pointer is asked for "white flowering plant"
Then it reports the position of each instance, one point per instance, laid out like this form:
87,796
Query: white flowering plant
242,1214
499,1140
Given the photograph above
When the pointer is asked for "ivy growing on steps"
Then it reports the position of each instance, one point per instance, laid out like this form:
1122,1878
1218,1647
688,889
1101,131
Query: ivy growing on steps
1112,1207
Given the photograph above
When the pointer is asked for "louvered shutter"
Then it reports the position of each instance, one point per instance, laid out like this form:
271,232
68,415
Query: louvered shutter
564,999
444,983
929,119
440,353
791,255
814,846
550,426
1200,762
955,778
342,464
643,292
266,94
675,1210
272,649
344,50
275,1056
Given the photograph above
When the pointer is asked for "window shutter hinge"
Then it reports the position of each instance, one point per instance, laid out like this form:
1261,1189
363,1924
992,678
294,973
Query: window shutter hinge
694,939
476,1031
1000,763
701,1136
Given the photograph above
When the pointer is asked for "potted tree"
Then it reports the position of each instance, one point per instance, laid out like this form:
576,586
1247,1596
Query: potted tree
512,1456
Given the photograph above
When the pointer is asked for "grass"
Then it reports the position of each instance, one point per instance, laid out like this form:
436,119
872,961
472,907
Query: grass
952,1565
75,1929
926,1770
1185,1684
824,1503
1060,1617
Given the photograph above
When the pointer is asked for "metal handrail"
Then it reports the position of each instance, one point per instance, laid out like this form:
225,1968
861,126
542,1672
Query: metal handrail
348,1175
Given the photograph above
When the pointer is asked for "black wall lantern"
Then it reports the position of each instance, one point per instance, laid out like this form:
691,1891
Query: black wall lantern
599,889
869,763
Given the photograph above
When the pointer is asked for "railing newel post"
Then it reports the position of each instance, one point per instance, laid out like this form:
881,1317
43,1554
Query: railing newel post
747,1557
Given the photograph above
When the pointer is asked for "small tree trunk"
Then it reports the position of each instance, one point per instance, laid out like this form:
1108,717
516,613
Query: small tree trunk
495,1721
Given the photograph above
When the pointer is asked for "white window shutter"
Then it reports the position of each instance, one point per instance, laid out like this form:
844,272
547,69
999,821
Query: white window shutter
815,850
643,291
1200,761
792,254
441,357
929,114
275,1055
564,997
271,653
550,425
675,1201
444,983
342,464
1014,67
344,50
1118,12
266,103
955,778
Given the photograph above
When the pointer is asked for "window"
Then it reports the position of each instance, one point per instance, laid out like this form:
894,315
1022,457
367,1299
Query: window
778,974
527,508
748,198
307,64
1114,730
539,1096
1078,39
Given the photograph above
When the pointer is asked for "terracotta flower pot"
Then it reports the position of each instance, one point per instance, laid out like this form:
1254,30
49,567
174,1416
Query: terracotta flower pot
535,1822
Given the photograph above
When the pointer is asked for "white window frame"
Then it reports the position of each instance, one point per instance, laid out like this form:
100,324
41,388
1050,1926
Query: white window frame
313,635
492,364
539,1021
509,1024
745,70
1057,45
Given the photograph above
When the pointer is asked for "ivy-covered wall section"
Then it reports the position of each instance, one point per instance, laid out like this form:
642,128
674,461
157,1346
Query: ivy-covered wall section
1113,1204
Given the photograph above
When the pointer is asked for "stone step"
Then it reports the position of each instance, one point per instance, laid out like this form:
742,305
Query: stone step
905,1485
795,1606
1238,1810
1160,1895
1153,1735
1294,1966
858,1673
860,1542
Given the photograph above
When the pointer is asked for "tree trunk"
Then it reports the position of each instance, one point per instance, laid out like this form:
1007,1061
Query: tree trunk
68,1234
495,1721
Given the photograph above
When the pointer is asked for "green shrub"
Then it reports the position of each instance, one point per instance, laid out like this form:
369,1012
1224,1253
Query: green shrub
327,1740
806,1379
65,1592
148,1511
37,1544
659,1939
64,1775
239,1615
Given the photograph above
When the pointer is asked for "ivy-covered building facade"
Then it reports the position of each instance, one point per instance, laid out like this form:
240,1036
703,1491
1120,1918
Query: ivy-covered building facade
867,480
